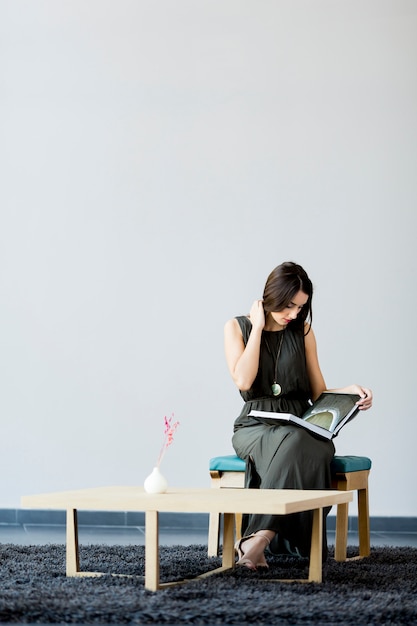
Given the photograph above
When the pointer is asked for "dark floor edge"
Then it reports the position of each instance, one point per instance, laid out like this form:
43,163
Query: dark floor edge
20,517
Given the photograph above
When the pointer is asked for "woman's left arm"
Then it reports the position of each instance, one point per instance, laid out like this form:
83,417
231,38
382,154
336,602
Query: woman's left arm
316,379
366,395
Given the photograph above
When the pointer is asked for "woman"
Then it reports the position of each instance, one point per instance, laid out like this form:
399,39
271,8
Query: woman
272,357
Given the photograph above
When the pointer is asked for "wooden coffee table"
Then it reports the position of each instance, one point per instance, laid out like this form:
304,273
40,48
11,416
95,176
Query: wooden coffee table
220,501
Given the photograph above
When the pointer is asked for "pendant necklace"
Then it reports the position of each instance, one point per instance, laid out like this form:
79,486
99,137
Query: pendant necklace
276,387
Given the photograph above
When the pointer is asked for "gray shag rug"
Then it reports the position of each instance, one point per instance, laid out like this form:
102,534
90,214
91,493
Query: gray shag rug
381,589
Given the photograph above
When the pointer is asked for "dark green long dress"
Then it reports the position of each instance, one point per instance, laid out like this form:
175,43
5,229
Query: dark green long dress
278,455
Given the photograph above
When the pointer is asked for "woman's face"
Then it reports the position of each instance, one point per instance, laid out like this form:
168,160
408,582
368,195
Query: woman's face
287,315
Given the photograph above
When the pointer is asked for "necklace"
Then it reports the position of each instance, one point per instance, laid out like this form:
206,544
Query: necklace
276,387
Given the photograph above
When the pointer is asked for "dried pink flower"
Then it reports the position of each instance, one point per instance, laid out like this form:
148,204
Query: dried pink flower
169,430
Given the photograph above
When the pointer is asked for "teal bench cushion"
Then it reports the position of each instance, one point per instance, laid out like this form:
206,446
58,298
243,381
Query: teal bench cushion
232,463
342,464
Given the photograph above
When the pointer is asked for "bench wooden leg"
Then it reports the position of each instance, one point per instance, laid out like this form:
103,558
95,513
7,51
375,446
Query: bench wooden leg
213,534
238,526
353,481
363,523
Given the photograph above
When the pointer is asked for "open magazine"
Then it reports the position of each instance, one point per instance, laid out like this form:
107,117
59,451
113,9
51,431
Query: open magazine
326,416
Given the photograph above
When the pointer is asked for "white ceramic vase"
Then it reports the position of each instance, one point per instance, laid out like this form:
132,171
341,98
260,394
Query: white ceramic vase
155,482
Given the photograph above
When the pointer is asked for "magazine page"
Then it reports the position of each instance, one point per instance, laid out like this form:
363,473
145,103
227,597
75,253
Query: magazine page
332,410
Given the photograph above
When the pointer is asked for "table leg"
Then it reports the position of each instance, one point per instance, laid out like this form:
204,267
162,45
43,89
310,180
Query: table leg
152,550
73,559
341,532
315,573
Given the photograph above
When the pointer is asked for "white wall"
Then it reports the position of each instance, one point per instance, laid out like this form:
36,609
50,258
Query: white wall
158,159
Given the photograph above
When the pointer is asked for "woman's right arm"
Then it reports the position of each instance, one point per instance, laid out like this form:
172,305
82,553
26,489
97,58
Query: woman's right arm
243,362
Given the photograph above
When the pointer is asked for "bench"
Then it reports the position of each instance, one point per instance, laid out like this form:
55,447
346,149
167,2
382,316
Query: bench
348,473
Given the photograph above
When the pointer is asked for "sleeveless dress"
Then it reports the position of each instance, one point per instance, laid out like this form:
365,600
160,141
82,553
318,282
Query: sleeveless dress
280,455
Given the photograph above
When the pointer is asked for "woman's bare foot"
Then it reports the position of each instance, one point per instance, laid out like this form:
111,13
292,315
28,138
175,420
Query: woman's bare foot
253,556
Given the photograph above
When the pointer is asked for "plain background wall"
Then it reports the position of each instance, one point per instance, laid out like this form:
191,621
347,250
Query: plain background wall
158,159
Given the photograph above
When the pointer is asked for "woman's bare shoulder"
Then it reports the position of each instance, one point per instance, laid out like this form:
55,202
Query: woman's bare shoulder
232,323
232,326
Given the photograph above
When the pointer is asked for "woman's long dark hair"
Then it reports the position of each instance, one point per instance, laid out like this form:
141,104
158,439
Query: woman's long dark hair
283,283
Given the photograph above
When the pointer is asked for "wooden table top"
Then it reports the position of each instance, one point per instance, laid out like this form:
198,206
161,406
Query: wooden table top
183,500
